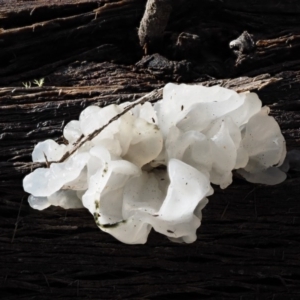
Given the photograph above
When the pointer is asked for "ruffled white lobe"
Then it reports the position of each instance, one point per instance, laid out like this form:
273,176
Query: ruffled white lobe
44,182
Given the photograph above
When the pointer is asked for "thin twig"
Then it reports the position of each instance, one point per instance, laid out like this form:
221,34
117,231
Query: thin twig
249,193
150,97
224,212
17,222
81,141
47,282
46,159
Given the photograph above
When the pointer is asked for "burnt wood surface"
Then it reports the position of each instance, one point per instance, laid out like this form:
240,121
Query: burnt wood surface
88,51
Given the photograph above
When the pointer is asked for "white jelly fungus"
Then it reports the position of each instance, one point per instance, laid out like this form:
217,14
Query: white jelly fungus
153,166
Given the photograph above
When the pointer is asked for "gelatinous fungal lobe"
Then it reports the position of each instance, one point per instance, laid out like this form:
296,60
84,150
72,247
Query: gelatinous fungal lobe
153,166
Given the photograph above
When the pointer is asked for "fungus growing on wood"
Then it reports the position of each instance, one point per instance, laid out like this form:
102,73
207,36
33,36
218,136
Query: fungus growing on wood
152,167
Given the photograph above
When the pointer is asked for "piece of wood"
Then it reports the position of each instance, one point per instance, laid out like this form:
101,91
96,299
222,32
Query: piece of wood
153,24
88,52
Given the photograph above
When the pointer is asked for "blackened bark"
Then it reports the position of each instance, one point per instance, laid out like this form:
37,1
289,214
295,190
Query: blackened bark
89,53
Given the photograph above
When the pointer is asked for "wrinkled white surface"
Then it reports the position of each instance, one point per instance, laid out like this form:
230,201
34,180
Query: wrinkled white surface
44,182
270,176
263,141
49,150
72,131
153,166
38,203
110,176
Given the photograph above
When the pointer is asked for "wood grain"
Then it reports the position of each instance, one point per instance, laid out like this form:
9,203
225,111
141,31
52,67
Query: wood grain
88,52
